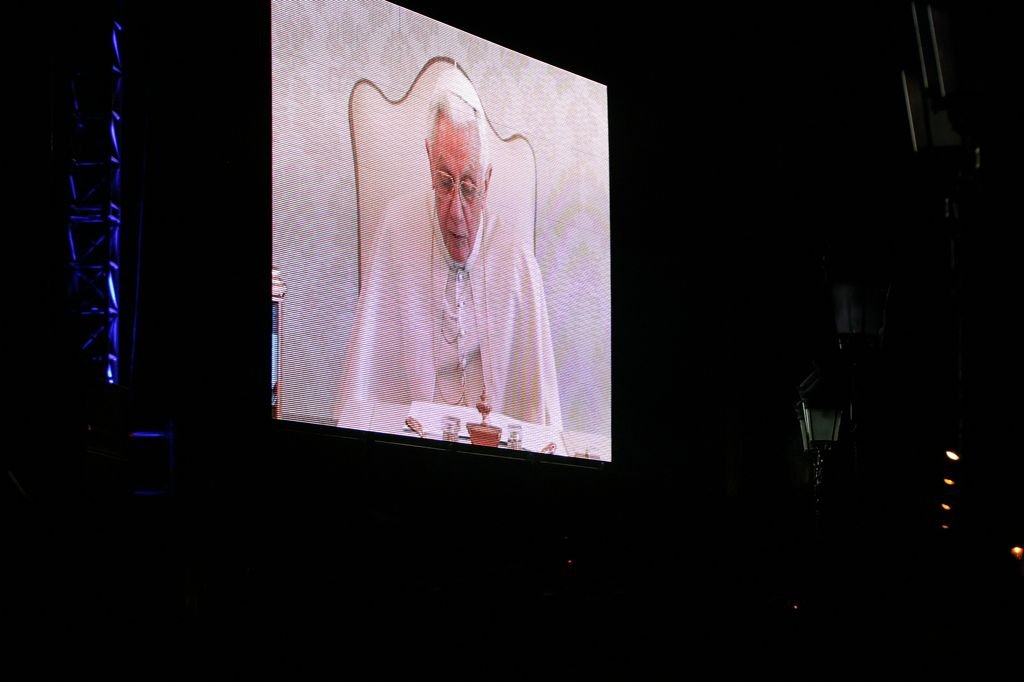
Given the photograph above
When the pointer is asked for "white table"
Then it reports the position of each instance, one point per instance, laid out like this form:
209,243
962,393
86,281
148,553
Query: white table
381,417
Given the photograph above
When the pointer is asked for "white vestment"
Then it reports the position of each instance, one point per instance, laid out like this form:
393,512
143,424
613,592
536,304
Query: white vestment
400,350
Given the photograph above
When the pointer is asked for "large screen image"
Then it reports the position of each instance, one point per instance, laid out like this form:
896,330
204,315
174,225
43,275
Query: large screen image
441,234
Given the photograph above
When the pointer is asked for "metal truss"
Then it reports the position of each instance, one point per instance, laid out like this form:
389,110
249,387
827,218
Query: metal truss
94,212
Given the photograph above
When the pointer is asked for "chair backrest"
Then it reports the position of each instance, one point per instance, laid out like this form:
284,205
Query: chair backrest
390,158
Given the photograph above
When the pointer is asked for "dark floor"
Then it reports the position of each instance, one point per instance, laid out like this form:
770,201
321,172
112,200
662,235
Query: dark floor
540,574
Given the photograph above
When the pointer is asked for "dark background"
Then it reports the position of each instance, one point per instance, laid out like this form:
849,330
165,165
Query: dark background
757,156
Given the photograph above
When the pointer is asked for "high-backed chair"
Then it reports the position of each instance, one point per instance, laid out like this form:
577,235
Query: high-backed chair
390,157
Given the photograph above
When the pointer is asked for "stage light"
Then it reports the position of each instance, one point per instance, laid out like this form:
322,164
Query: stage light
945,526
952,455
1017,552
946,506
948,481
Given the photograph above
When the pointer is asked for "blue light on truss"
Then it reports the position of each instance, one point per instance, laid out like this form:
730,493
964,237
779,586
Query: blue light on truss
117,49
113,138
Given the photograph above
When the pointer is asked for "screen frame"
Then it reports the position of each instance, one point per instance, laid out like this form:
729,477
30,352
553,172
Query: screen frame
611,368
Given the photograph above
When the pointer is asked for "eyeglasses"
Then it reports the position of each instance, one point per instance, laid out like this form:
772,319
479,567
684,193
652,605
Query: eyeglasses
445,184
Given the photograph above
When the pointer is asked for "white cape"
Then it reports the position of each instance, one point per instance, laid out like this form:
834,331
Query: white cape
390,355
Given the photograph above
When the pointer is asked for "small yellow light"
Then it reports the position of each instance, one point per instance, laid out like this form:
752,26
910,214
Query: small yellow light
946,506
948,481
945,526
952,455
1017,552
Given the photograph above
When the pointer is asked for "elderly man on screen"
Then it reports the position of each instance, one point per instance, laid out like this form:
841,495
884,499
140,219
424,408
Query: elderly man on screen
453,304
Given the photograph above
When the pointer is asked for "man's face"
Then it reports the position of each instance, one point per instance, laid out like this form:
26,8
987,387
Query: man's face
460,184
